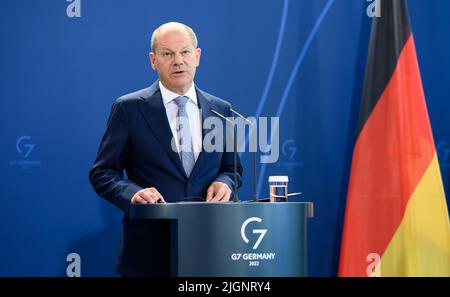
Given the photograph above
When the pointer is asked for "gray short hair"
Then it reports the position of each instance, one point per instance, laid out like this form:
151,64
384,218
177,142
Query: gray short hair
174,24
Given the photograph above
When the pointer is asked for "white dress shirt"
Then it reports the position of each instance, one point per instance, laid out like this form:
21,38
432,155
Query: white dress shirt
195,122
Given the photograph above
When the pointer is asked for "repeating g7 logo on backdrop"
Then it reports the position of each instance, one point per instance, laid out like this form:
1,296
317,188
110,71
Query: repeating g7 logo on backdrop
289,150
25,148
443,151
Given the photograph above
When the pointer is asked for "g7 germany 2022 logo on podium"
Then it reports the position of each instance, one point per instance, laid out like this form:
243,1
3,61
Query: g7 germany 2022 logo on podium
253,258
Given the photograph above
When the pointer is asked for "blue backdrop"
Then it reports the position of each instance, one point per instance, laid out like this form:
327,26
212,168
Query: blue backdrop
300,60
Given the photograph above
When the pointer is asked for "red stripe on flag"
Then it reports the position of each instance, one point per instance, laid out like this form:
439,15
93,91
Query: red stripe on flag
391,154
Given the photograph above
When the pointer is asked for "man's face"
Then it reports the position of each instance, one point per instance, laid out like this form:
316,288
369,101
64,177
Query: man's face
175,59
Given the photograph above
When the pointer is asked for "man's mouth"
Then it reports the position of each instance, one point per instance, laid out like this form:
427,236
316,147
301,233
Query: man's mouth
178,72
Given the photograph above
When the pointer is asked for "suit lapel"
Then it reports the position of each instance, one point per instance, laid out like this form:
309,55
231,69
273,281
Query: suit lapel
154,112
205,105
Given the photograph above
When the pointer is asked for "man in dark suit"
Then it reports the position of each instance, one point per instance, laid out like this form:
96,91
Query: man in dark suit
143,138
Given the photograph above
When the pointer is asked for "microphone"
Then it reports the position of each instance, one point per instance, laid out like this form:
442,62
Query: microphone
235,196
255,199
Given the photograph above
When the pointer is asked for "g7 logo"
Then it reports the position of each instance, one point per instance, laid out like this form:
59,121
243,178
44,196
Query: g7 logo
289,146
29,147
262,232
443,151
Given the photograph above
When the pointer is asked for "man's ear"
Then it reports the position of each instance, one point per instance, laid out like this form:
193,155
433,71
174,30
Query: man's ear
198,53
152,58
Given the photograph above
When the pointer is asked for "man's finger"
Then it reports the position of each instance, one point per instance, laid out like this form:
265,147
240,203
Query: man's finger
227,196
138,200
148,196
219,195
209,193
155,191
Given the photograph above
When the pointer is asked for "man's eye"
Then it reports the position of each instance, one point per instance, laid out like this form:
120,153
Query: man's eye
185,52
166,54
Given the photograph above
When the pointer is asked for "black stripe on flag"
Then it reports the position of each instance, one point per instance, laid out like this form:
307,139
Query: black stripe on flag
388,37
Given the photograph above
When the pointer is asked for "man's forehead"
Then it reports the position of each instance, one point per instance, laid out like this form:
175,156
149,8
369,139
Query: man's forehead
173,48
172,32
174,41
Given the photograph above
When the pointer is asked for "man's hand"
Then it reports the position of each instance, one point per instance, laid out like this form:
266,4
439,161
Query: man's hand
218,191
147,195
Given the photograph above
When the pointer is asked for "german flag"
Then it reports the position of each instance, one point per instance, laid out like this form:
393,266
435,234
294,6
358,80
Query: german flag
396,219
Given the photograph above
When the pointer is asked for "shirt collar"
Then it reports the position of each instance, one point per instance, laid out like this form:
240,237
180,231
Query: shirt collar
168,95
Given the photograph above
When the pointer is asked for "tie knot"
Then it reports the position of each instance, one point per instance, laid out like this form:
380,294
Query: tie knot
181,101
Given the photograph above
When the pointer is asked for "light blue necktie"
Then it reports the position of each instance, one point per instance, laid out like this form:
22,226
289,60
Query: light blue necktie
184,135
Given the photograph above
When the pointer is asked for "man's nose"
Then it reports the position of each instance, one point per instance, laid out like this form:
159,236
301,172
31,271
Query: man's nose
177,60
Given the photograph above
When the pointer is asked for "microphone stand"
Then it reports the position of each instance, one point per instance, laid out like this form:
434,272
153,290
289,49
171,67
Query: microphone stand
235,194
255,199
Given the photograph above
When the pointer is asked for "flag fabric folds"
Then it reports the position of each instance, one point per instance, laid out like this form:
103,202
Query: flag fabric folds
396,219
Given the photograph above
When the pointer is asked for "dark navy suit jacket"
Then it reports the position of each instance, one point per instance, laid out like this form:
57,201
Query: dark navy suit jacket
137,140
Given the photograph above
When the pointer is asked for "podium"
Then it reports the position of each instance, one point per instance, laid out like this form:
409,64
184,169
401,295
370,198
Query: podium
244,239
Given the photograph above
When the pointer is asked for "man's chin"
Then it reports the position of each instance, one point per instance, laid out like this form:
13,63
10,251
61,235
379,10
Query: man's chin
179,87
